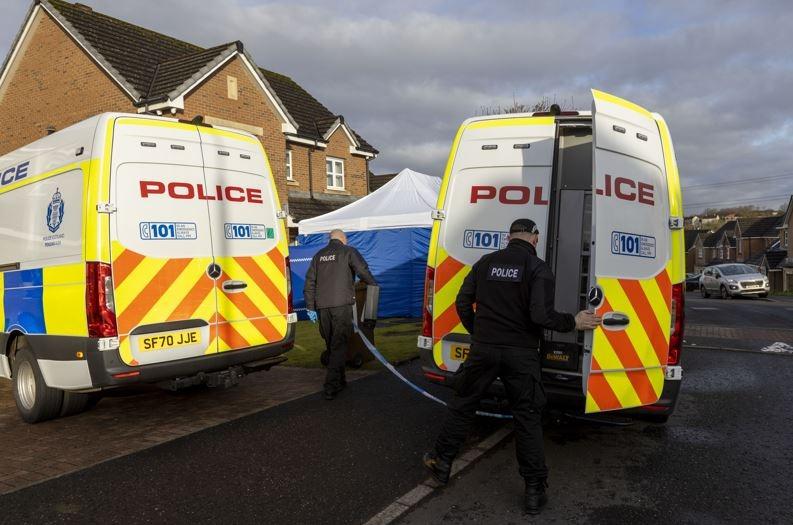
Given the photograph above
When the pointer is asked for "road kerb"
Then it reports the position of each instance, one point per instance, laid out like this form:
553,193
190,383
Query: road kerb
418,493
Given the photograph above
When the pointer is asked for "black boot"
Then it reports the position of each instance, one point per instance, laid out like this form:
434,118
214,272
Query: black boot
439,469
535,495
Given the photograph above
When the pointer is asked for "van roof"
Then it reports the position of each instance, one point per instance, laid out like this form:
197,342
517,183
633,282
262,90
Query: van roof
87,126
485,118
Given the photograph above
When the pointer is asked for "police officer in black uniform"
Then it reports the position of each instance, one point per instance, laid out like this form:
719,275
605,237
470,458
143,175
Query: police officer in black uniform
329,293
513,291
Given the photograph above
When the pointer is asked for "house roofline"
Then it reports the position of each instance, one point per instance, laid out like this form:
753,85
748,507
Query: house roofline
95,55
17,42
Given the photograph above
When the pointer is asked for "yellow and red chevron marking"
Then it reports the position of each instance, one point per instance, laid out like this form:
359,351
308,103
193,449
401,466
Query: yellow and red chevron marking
627,368
154,290
449,276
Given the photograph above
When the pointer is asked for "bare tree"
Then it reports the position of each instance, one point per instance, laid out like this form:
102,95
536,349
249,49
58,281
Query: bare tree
544,104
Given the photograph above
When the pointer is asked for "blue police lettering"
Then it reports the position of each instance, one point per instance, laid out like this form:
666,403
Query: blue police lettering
14,174
327,258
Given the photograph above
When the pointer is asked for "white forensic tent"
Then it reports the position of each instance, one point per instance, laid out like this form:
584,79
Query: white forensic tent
391,228
406,201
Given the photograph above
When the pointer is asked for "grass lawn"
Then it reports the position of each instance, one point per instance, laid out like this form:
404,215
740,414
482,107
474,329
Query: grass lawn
395,338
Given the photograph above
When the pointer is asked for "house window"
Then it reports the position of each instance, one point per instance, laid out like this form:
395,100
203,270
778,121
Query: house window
289,175
784,240
700,252
335,172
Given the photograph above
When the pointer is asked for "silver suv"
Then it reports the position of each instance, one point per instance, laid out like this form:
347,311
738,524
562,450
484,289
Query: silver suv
731,280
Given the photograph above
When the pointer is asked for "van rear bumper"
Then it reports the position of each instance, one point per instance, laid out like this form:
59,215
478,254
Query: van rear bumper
569,398
98,368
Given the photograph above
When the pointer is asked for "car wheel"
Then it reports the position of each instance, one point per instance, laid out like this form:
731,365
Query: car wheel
35,401
704,291
724,293
74,402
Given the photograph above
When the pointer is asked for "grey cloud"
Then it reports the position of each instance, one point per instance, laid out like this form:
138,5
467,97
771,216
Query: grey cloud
405,74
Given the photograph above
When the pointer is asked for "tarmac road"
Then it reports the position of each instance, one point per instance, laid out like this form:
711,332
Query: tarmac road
772,312
307,461
725,456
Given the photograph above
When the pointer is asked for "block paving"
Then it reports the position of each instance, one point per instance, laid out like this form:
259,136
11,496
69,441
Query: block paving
124,423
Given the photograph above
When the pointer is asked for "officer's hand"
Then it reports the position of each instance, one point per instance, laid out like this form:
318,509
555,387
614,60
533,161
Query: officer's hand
312,315
586,320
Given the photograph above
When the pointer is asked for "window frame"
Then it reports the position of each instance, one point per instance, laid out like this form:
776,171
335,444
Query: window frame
290,176
333,174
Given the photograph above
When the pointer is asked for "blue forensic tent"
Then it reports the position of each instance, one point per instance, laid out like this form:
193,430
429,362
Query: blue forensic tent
391,228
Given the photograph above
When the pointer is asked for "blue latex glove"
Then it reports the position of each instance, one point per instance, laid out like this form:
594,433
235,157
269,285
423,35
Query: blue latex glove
312,315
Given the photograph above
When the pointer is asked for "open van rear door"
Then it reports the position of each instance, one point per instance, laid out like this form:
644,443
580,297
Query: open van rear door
626,357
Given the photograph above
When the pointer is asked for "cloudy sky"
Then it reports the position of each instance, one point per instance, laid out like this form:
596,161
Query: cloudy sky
406,73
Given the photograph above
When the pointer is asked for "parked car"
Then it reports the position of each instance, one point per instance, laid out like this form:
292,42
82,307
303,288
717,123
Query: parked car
732,280
692,281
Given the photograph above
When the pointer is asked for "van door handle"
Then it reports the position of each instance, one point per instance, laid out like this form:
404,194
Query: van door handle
615,320
234,286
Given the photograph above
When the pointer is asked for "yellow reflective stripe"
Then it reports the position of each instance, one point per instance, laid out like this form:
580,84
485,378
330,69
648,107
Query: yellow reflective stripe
677,263
254,293
658,302
607,97
517,121
449,165
41,176
125,351
177,291
136,282
604,353
635,330
437,353
63,297
445,298
133,121
97,225
2,302
591,406
622,388
229,134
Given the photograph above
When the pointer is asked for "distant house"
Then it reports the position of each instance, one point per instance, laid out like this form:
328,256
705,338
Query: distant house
378,181
70,62
695,251
756,235
719,246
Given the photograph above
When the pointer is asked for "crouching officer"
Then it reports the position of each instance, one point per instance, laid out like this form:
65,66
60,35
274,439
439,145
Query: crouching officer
513,291
329,293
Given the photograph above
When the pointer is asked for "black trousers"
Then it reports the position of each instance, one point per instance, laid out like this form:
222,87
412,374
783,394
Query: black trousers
519,370
335,327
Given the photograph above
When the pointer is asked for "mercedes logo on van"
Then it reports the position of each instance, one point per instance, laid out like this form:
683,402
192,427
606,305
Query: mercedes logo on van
595,296
214,271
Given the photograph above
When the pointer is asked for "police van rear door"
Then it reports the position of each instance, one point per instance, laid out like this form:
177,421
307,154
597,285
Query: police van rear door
161,244
249,241
625,358
500,171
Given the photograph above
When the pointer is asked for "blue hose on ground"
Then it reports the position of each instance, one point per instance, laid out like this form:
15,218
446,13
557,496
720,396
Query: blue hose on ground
383,361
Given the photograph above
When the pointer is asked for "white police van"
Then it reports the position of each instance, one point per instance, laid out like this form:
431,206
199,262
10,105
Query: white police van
138,249
604,190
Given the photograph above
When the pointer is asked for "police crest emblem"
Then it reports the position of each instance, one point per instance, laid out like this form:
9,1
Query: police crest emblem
55,212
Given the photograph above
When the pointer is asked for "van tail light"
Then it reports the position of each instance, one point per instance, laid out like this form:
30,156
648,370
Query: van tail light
100,305
289,303
678,320
429,285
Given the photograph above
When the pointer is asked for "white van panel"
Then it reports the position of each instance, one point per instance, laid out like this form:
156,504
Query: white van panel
501,173
45,220
158,212
245,228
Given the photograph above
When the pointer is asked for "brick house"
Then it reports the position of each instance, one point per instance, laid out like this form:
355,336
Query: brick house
695,250
719,246
69,63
